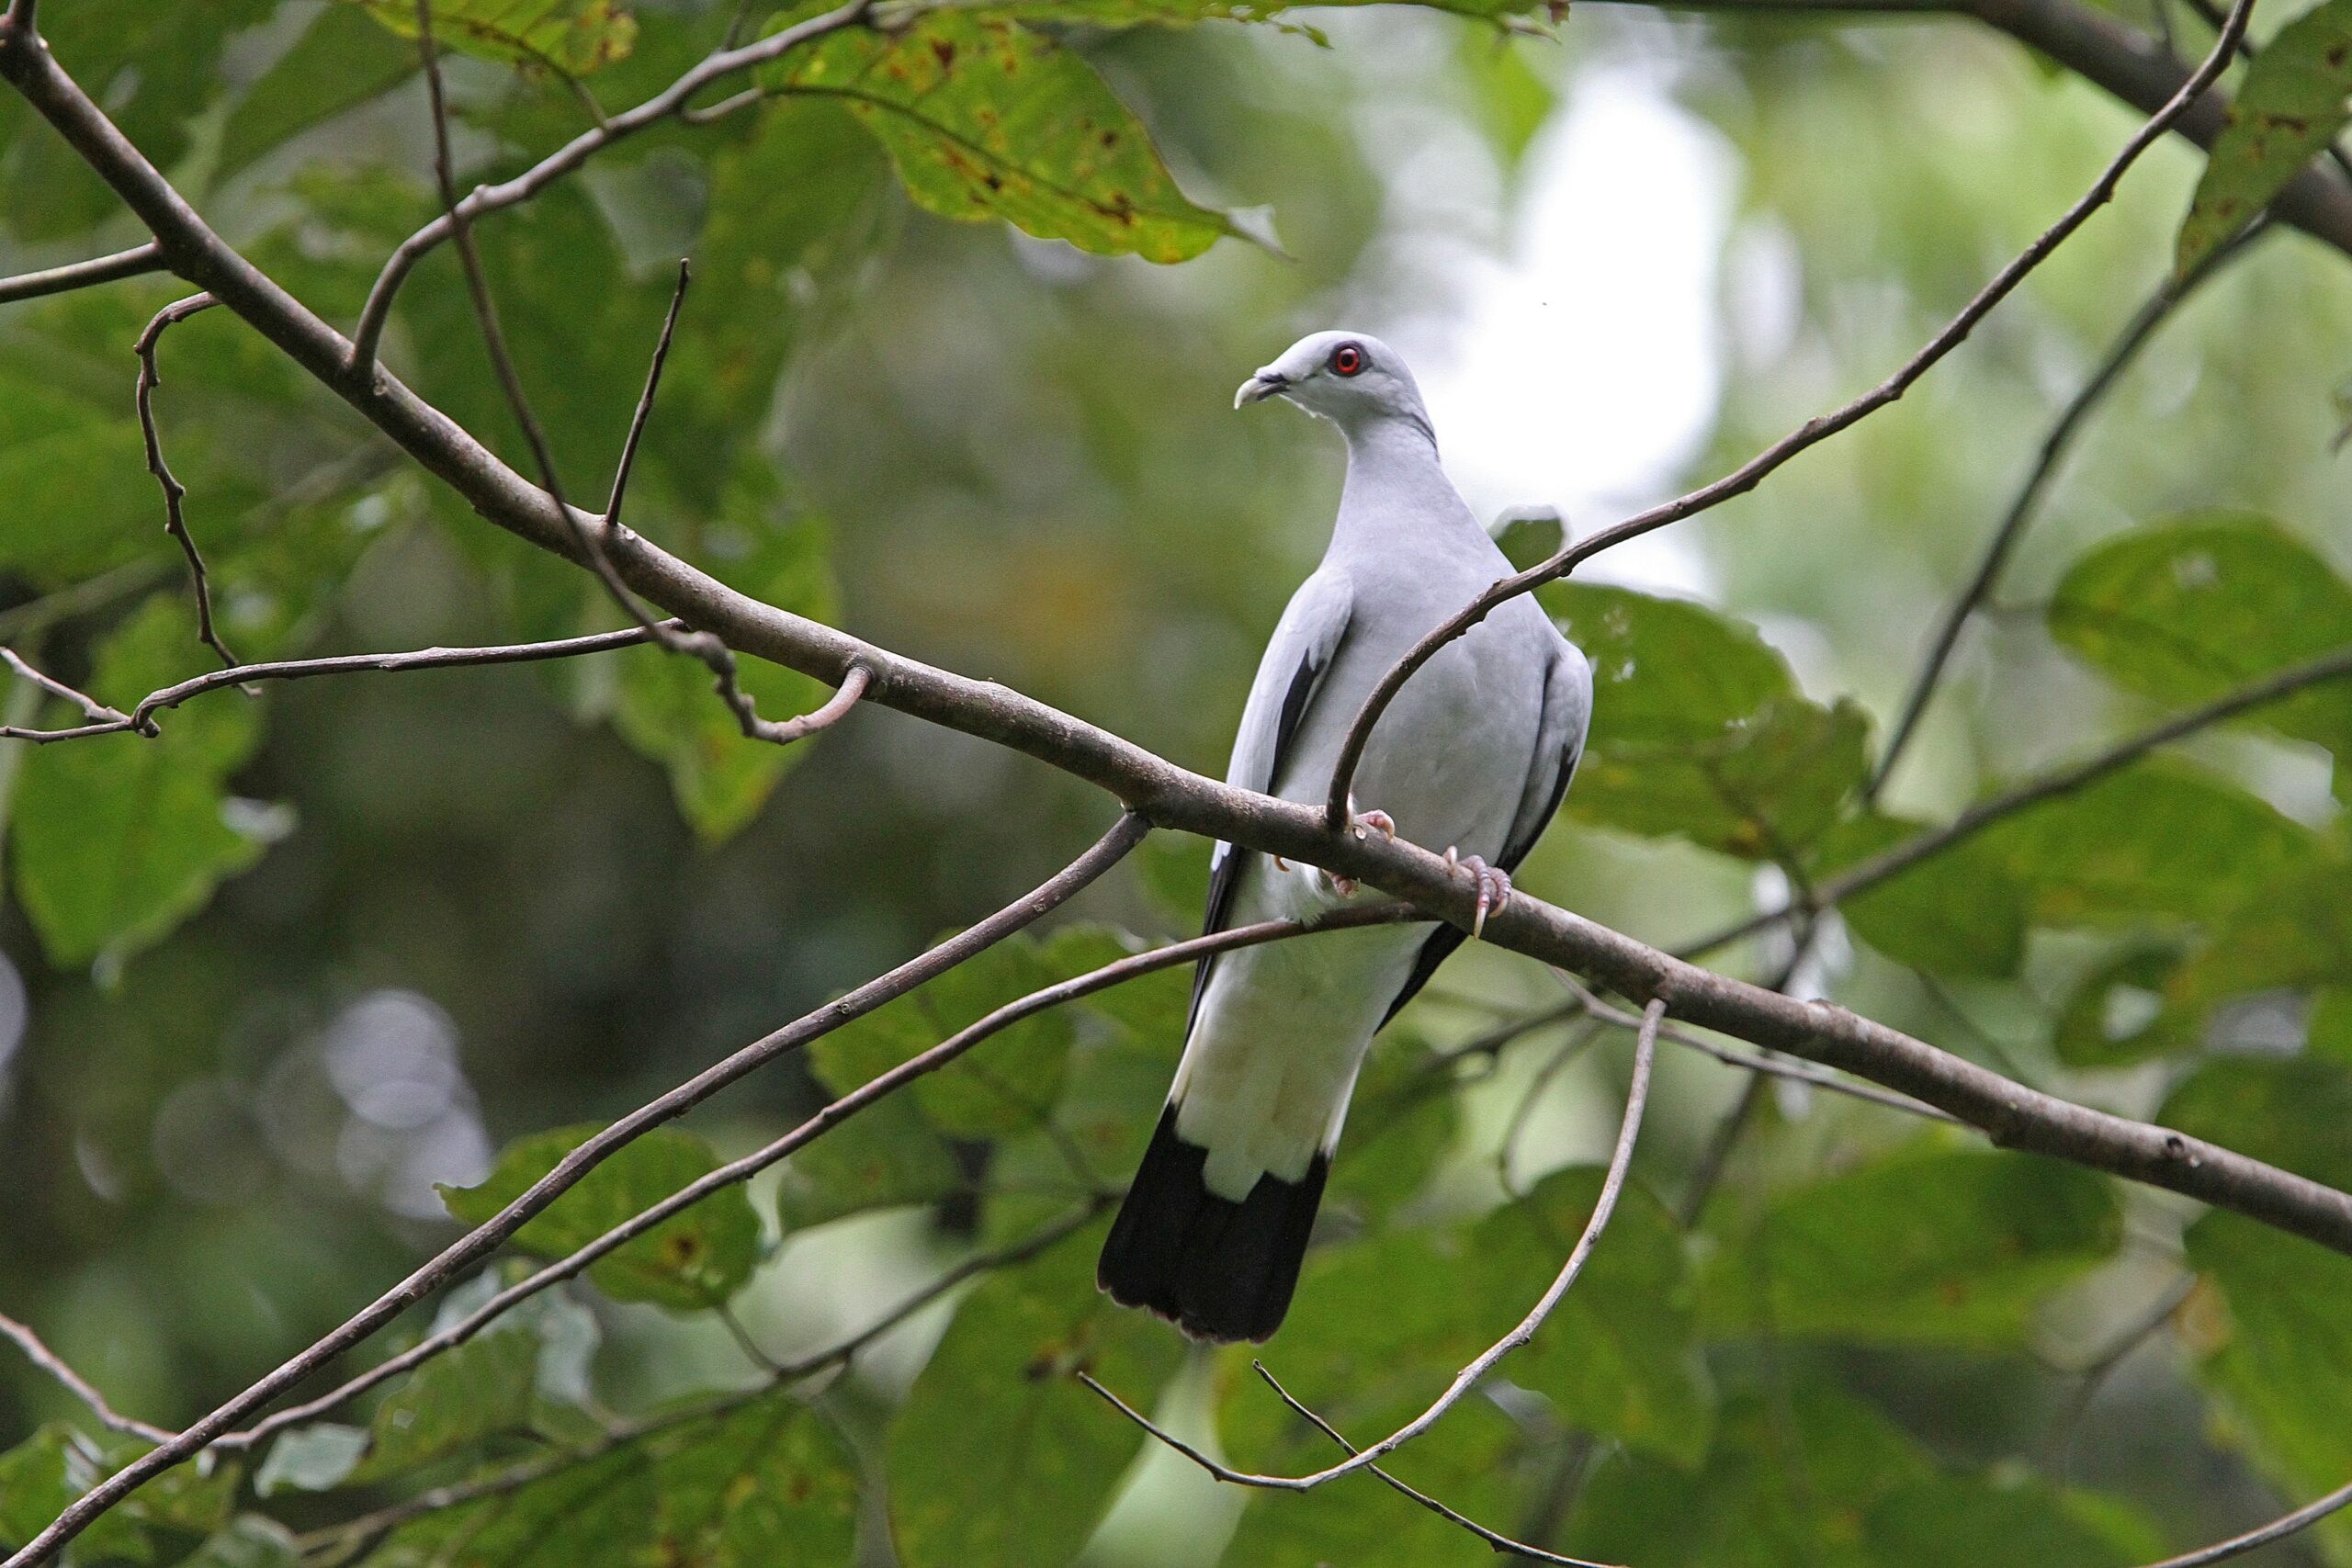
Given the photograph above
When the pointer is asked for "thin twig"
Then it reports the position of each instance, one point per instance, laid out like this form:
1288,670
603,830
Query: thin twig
842,1351
140,719
50,1361
367,335
1636,1098
1499,1541
2278,1528
741,1170
96,712
1865,875
486,1237
138,259
1813,431
2169,295
645,399
175,492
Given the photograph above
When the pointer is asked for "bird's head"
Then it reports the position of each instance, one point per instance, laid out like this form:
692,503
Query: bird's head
1351,378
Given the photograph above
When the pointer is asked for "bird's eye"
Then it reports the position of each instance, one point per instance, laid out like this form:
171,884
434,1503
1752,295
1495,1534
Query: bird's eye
1347,359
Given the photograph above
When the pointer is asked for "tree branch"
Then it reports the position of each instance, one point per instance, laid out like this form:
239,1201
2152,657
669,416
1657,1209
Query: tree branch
1636,1098
82,273
50,1361
848,1105
175,492
140,719
2023,505
1866,874
368,335
1748,475
477,1244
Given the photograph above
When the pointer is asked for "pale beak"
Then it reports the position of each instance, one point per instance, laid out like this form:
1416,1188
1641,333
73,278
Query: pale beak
1260,387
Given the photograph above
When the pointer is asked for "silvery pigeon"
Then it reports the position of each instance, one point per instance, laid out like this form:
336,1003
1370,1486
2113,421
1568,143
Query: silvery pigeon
1474,753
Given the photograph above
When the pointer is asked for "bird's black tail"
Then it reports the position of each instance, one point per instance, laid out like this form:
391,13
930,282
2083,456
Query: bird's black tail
1217,1268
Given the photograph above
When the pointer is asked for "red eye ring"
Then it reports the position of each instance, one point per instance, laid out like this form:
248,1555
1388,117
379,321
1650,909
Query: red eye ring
1347,359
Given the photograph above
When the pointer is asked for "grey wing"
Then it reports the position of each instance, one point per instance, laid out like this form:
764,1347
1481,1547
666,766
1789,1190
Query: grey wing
1298,658
1559,744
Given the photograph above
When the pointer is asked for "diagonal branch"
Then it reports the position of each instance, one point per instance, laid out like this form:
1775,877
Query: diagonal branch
672,100
479,1242
1748,475
1494,1538
82,273
1866,874
2023,505
50,1361
175,492
1637,1099
866,1094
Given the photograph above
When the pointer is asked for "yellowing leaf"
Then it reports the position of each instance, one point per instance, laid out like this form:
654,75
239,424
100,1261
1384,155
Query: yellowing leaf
2292,107
573,37
985,118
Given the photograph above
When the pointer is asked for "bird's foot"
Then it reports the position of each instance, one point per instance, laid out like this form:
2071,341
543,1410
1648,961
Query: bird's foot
1493,884
1364,823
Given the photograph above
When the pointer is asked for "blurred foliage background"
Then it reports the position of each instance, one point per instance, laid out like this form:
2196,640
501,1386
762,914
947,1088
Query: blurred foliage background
273,977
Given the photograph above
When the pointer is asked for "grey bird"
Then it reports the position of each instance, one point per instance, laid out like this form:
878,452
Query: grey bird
1474,754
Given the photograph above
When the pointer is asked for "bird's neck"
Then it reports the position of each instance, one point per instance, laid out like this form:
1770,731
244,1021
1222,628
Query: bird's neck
1396,493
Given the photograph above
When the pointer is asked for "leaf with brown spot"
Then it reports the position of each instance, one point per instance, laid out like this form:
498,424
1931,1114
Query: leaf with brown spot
571,37
692,1260
2292,106
985,118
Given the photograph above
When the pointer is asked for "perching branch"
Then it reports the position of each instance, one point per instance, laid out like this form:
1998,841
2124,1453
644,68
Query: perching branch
865,1094
1748,475
1637,1099
50,1361
175,492
479,1242
82,273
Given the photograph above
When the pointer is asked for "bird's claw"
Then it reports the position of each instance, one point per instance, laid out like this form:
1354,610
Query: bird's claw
1493,884
1367,822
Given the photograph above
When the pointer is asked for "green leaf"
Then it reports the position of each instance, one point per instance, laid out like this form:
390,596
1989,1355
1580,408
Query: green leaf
311,1459
120,837
691,1260
1967,1521
1620,1355
2279,1352
571,36
341,61
1932,1245
1006,1084
43,1475
2289,107
249,1541
1529,537
2159,838
764,1483
986,119
1401,1122
888,1155
2186,611
2329,1032
998,1414
2117,1016
1959,912
669,711
2291,1111
2295,932
455,1400
1766,1507
1698,731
